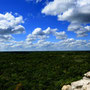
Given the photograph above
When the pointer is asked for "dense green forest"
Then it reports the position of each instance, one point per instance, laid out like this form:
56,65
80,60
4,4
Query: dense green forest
41,70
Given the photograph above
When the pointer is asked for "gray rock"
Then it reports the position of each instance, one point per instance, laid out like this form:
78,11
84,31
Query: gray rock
83,84
66,87
87,74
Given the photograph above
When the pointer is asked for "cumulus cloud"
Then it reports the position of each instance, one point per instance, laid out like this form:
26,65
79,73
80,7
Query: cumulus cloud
44,44
74,11
38,33
81,31
32,37
57,6
10,24
61,35
5,38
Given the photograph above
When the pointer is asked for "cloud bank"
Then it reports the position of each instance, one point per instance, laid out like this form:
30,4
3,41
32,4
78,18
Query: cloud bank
38,41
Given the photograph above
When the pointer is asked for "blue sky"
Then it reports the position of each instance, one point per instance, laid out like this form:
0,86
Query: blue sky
48,25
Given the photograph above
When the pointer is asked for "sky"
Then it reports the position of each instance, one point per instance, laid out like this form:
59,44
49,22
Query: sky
44,25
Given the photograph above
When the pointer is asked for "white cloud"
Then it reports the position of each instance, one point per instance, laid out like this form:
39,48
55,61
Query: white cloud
32,37
38,33
43,43
50,31
81,31
56,7
10,24
61,35
73,11
5,38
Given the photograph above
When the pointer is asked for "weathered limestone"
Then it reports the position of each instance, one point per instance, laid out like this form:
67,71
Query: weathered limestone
87,75
66,87
83,84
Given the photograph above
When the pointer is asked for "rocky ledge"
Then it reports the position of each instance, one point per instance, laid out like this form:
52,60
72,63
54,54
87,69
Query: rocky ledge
83,84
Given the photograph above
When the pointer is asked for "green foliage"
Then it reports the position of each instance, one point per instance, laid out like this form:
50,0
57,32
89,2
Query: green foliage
42,70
